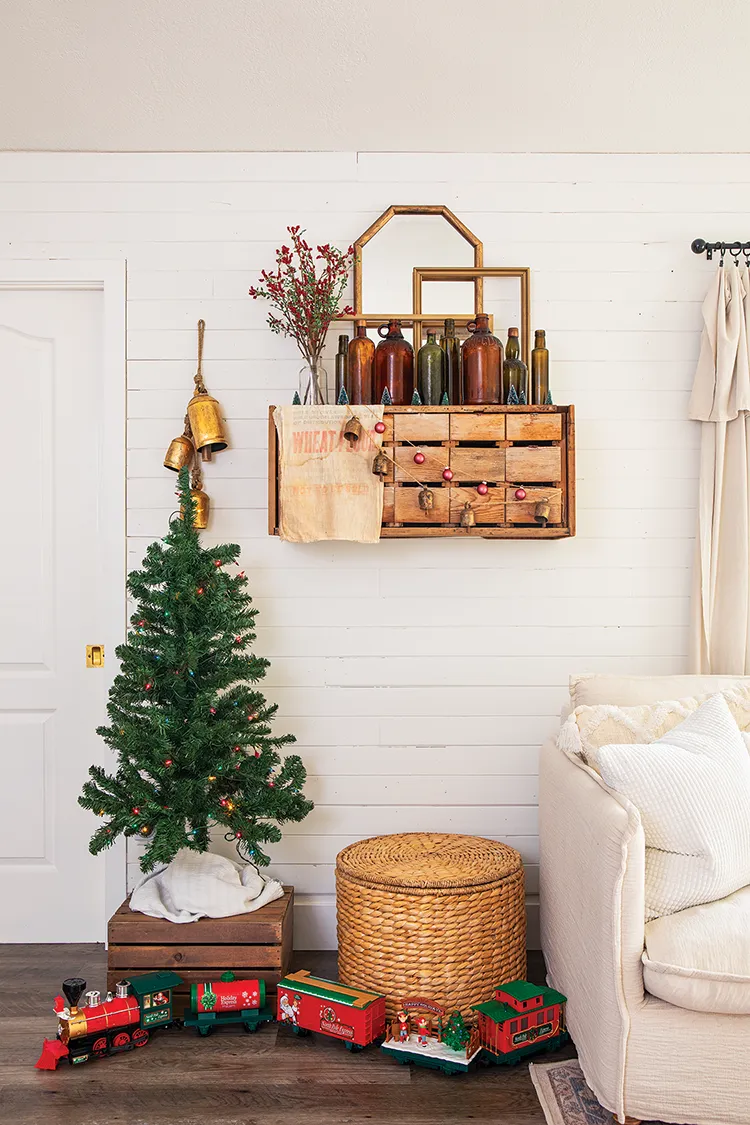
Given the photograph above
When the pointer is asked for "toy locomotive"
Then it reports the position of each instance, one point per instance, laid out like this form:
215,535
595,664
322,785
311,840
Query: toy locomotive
521,1019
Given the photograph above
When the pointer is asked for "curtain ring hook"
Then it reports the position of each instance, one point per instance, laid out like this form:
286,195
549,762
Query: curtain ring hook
723,252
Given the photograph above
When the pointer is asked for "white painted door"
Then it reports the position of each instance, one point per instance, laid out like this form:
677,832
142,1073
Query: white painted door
55,564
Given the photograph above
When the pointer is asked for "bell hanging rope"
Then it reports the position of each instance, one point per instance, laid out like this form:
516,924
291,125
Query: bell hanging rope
204,412
181,450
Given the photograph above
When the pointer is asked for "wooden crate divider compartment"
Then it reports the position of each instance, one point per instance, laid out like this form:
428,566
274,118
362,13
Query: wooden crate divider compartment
256,945
509,447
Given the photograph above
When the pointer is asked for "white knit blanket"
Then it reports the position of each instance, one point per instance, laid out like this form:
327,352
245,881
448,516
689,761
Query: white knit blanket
201,884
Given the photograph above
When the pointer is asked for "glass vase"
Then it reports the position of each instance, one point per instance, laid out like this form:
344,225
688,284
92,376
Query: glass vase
313,384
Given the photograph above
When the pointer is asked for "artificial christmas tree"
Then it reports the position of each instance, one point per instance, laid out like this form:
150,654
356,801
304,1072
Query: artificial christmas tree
191,733
456,1034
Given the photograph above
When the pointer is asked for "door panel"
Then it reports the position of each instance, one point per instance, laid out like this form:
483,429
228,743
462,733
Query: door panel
51,592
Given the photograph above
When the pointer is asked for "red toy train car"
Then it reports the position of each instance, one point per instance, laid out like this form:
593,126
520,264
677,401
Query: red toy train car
311,1003
520,1020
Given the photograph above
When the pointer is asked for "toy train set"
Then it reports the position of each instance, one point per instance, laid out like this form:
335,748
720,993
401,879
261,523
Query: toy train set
520,1019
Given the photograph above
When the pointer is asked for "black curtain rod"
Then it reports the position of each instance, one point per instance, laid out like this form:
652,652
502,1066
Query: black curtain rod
700,246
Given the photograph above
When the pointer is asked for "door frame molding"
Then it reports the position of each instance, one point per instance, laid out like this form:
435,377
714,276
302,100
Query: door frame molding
109,277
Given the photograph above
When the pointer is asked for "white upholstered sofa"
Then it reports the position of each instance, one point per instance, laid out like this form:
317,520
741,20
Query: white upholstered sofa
644,1058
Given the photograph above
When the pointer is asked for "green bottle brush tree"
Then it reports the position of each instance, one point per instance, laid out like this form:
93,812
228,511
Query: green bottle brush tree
191,733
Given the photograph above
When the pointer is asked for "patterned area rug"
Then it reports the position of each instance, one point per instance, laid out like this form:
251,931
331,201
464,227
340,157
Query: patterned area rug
565,1097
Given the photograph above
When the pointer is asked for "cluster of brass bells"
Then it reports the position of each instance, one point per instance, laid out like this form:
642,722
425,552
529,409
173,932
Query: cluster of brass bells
202,436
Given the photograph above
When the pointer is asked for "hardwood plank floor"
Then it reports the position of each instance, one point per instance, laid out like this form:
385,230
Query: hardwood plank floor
270,1078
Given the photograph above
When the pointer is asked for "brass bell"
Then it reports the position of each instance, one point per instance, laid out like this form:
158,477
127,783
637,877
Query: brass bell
468,518
426,499
380,465
180,453
352,429
206,424
200,511
542,511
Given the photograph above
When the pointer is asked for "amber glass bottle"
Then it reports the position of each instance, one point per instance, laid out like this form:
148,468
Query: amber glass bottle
342,356
430,369
394,364
452,367
360,367
515,371
540,369
481,364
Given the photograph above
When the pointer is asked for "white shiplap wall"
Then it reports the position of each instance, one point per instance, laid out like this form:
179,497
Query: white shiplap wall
419,677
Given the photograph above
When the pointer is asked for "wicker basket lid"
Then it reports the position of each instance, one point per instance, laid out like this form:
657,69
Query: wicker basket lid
427,860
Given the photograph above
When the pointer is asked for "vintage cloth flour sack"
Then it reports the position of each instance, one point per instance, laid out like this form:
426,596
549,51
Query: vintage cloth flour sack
327,489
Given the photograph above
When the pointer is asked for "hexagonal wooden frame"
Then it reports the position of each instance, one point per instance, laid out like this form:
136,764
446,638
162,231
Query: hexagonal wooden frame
414,319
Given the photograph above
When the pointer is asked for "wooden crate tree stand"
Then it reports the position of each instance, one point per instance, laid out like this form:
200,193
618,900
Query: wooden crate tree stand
256,945
524,454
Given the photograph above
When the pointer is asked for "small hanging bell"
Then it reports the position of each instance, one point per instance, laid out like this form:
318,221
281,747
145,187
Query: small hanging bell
204,412
542,511
207,424
380,465
180,453
202,506
468,518
352,429
426,499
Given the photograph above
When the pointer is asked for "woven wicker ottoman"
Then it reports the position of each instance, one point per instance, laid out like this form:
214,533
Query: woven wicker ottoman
433,915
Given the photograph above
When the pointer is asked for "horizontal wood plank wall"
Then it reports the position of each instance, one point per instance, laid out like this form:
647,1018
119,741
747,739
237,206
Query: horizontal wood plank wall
419,677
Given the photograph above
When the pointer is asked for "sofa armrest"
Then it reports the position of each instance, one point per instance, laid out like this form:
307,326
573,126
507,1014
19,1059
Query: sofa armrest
592,854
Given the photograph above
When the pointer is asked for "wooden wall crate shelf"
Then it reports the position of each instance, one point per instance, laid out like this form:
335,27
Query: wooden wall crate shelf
509,447
256,945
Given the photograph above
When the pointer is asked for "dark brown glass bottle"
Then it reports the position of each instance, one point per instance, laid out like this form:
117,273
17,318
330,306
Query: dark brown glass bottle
451,346
540,369
515,372
342,356
481,364
394,365
430,371
361,368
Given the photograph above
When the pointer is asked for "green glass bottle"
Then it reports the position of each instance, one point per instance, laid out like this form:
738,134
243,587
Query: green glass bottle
451,346
342,358
430,371
540,369
515,371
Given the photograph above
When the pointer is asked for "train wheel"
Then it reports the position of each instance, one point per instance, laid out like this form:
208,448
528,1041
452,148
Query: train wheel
205,1030
121,1040
99,1048
140,1037
250,1027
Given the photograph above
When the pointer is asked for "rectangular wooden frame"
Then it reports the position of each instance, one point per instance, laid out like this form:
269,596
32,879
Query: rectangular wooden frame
420,274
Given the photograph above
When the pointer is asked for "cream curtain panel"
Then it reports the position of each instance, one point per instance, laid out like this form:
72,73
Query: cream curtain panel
720,626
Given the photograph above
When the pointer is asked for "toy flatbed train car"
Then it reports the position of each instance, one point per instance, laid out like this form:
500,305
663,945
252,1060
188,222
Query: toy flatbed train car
520,1020
309,1003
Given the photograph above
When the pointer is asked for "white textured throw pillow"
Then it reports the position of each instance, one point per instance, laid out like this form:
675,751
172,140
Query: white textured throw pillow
692,789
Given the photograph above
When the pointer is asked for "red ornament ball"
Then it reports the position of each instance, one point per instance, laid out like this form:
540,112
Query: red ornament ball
236,749
136,810
237,766
271,784
223,802
419,458
238,640
212,710
167,762
483,488
380,427
257,753
141,623
238,835
447,474
520,494
147,686
199,590
217,562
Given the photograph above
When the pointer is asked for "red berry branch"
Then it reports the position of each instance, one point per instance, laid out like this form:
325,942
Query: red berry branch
306,297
